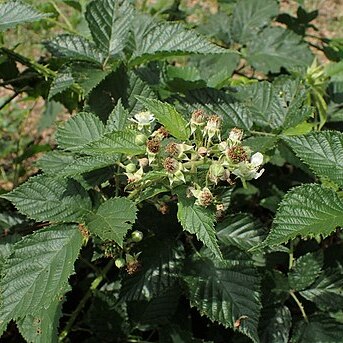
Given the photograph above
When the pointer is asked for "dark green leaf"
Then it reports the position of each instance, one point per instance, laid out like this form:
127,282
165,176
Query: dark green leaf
37,271
45,198
226,291
60,83
322,151
306,210
117,119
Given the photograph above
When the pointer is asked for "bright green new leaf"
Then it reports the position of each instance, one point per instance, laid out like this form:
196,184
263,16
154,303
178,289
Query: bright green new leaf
79,131
109,23
322,152
250,16
276,47
159,40
198,220
167,115
45,198
327,291
117,142
306,211
13,13
226,291
321,328
74,48
37,271
113,219
306,270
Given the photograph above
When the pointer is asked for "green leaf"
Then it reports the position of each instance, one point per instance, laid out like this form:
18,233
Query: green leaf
198,220
118,142
74,48
226,291
322,152
276,106
167,115
233,113
327,291
79,131
275,325
45,198
43,326
71,166
320,329
240,230
276,47
250,16
117,119
159,40
13,13
306,270
113,219
109,23
61,82
161,263
306,210
37,271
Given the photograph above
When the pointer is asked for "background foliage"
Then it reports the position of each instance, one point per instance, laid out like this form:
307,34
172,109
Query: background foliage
86,256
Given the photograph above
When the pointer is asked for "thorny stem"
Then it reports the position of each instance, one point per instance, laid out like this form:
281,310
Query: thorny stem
94,285
300,305
263,133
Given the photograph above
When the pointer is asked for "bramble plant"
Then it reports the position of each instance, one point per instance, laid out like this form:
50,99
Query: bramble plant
194,194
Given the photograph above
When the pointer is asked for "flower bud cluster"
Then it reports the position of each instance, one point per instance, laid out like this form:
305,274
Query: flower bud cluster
202,162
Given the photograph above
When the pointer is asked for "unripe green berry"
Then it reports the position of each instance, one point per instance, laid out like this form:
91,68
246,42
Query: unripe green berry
136,236
120,262
130,168
141,139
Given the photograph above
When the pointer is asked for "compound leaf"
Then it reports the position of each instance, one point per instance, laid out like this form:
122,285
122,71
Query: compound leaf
322,151
61,82
75,48
109,23
17,12
113,219
306,210
198,220
45,198
117,119
79,131
167,115
37,271
226,291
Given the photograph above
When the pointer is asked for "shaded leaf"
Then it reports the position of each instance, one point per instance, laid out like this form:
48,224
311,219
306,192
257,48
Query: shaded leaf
117,119
60,83
226,291
306,270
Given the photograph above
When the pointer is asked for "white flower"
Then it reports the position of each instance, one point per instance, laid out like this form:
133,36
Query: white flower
143,119
250,170
136,176
235,135
212,127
